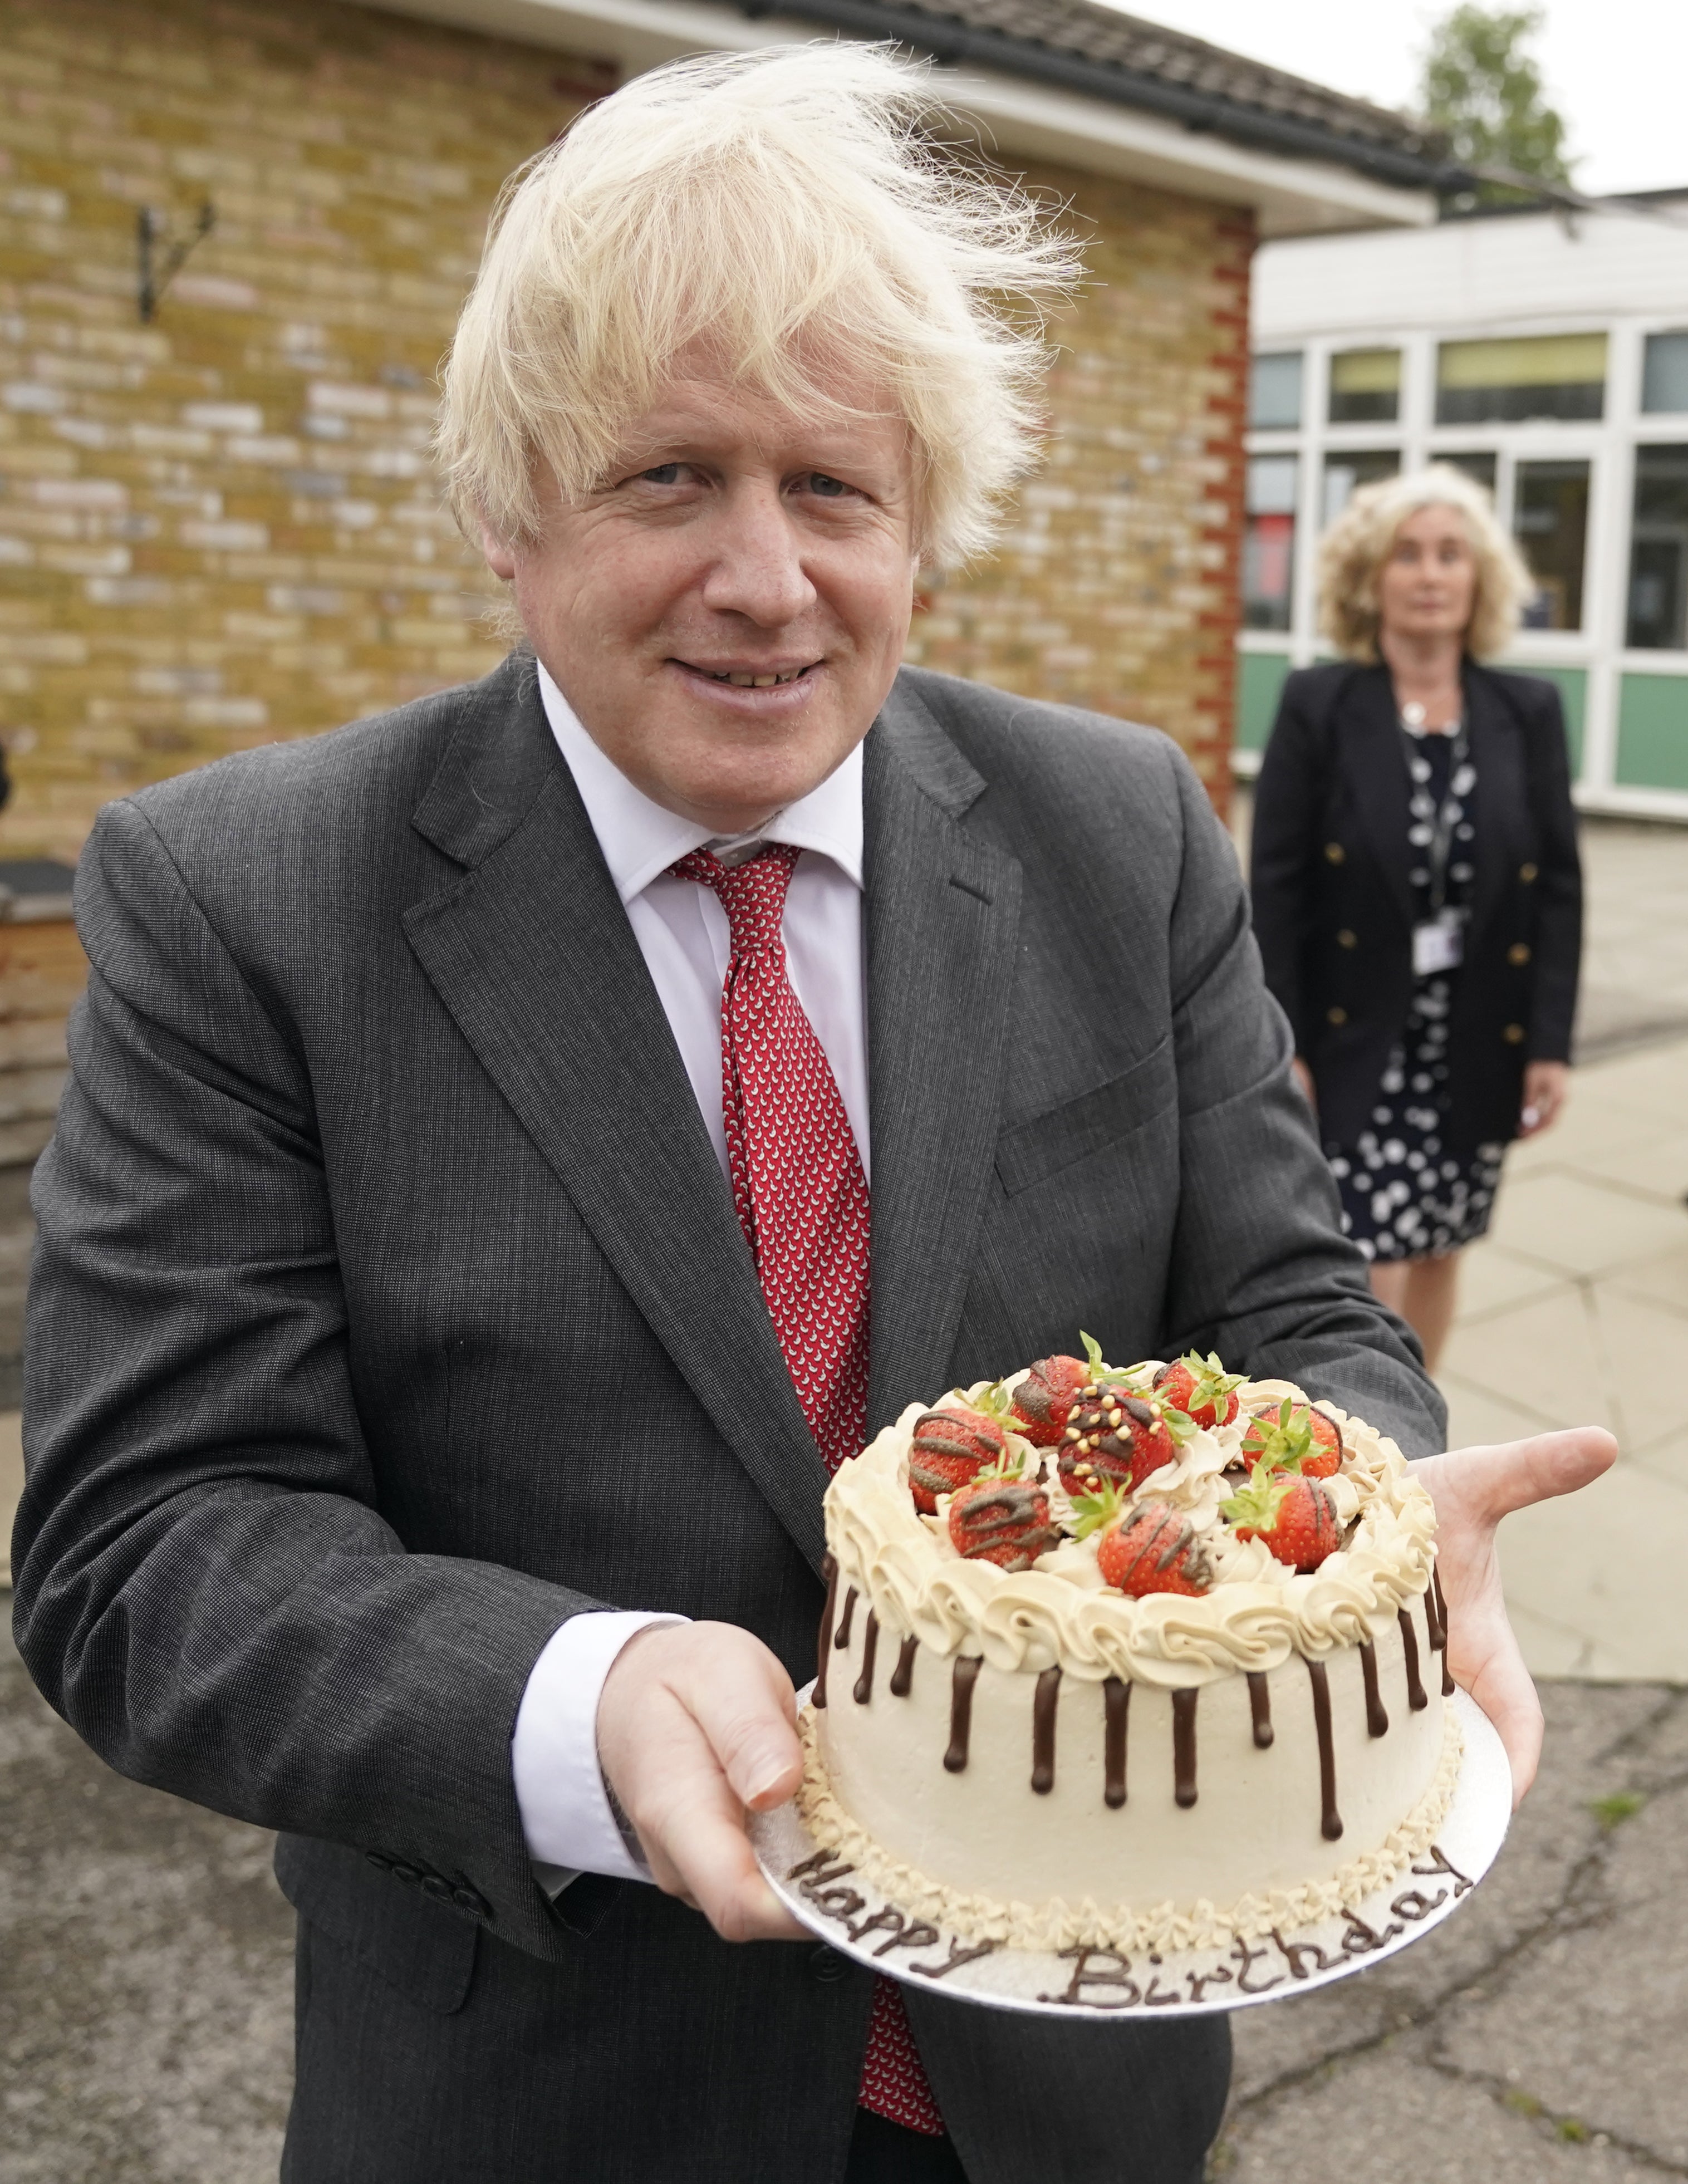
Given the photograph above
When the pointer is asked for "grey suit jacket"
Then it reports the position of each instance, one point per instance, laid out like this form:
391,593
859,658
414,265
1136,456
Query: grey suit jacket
389,1307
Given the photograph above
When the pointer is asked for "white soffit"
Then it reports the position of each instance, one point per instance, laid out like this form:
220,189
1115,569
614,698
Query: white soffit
1018,118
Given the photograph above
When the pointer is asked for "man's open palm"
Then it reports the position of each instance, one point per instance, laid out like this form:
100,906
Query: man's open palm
1473,1489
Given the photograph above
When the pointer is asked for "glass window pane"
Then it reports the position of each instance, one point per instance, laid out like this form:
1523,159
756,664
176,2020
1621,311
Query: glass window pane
1343,473
1657,616
1365,386
1479,383
1664,376
1550,517
1476,463
1269,542
1275,391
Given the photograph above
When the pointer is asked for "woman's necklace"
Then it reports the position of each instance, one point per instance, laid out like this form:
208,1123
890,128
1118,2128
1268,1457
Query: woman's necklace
1417,715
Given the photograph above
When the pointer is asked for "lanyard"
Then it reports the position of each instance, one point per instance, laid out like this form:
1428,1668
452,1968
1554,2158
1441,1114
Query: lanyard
1448,815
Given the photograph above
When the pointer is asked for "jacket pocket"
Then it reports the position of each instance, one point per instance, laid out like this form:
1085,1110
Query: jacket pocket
1032,1151
417,1946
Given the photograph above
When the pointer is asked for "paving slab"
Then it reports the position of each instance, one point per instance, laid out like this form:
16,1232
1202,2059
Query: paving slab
1569,1221
1460,2057
1563,2025
145,2031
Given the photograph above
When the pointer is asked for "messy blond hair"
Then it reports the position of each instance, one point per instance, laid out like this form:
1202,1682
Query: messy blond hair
1353,551
789,212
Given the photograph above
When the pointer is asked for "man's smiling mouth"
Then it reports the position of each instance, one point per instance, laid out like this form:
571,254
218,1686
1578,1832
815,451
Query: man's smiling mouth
751,678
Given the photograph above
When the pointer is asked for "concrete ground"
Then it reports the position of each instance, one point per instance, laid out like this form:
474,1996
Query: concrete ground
146,1995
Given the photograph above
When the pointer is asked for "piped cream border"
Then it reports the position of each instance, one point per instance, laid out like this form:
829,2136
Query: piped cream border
1056,1924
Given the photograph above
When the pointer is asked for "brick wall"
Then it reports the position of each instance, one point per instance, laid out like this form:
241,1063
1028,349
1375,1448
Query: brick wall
219,528
1116,587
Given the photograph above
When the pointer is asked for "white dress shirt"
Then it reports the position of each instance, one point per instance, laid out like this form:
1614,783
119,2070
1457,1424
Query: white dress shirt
681,931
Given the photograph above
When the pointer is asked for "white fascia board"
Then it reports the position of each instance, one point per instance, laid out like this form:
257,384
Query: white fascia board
1029,120
1517,272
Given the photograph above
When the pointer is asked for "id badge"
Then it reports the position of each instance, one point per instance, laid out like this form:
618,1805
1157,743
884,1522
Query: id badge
1439,945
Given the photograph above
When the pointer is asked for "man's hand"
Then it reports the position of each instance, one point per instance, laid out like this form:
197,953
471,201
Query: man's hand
1473,1489
696,1722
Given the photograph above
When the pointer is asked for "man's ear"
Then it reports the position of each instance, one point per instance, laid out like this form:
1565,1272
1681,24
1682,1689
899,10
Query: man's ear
500,558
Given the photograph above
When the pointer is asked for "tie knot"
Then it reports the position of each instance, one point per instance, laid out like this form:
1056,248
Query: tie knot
753,894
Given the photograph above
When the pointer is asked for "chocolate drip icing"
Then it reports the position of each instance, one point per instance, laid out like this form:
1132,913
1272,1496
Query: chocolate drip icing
1435,1625
1442,1618
870,1647
968,1667
1409,1647
845,1620
829,1570
1260,1706
1183,1746
903,1674
1330,1820
1044,1700
1115,1714
1377,1716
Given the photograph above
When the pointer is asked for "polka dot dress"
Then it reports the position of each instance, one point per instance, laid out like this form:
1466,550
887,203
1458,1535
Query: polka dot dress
1404,1195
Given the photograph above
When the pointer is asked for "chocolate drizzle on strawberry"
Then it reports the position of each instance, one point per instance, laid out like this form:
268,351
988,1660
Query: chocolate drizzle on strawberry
1006,1522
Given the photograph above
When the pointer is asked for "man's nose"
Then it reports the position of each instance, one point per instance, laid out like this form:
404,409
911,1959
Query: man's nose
756,567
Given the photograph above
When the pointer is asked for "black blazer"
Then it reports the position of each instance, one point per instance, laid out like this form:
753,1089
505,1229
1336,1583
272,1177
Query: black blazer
1334,905
389,1307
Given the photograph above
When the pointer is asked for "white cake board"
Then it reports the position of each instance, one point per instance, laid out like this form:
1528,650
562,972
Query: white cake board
832,1899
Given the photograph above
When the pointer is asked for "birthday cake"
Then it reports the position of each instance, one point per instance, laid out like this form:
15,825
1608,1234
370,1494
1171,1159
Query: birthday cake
1152,1657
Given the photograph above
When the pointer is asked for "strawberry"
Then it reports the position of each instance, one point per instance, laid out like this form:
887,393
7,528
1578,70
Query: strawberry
1113,1435
998,1519
1293,1438
1201,1387
1044,1397
949,1448
1294,1518
1157,1551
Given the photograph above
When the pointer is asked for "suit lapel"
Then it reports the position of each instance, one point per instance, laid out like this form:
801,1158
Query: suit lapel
942,910
1375,765
531,953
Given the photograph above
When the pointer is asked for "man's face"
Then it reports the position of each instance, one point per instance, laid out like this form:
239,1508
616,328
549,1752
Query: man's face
727,611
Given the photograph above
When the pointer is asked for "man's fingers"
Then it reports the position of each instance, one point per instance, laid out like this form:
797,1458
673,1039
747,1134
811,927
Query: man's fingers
694,1724
1489,1482
692,1829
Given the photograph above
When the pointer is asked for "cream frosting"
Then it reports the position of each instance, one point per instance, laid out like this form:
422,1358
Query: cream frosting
1060,1614
1058,1924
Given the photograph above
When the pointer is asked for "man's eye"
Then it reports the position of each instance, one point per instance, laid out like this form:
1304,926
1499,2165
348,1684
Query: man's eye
661,474
829,489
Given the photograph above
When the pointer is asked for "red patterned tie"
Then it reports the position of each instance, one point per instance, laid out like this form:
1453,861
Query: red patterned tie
802,1202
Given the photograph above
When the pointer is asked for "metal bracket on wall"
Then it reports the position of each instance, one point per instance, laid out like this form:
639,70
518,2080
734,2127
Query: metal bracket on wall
157,263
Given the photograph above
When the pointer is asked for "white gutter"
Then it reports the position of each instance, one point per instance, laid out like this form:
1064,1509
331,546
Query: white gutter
1018,118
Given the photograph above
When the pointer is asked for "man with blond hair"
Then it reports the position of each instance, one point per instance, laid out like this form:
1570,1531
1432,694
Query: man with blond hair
517,1145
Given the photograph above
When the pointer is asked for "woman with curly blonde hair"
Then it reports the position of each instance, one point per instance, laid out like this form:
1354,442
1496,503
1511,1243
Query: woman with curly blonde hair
1418,896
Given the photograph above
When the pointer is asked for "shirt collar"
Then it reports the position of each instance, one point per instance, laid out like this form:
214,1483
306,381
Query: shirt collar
640,839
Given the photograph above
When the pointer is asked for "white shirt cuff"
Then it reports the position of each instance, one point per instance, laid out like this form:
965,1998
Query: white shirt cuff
565,1814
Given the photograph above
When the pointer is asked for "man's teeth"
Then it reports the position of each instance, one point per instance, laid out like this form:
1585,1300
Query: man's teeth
743,681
